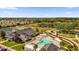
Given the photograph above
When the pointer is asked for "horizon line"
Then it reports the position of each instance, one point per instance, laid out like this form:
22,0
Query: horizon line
41,17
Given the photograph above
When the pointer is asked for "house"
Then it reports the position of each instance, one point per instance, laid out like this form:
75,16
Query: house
21,35
35,47
49,47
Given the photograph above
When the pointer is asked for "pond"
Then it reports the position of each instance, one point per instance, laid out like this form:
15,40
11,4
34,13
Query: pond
7,29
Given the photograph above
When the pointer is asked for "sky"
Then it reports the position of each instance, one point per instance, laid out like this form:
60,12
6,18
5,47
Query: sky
39,12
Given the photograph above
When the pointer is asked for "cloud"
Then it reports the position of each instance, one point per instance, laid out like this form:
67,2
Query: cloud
8,13
68,13
9,8
70,7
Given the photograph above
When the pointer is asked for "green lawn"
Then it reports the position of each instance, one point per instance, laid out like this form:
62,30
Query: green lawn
41,29
12,43
9,43
18,47
65,44
20,27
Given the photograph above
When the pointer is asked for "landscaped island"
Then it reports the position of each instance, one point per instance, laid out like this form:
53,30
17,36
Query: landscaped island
39,34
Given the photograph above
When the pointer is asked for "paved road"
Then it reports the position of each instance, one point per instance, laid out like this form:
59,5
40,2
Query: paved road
3,41
10,49
6,46
69,40
76,45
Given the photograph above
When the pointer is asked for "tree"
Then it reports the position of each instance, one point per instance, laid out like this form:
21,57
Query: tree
2,34
64,27
37,30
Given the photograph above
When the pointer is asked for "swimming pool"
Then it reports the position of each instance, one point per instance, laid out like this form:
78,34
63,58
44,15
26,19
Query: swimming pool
44,41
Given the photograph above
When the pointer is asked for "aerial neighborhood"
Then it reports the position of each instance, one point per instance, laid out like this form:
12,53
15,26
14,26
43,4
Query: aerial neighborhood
39,34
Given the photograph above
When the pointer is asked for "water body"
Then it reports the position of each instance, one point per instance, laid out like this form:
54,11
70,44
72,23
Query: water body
44,41
7,29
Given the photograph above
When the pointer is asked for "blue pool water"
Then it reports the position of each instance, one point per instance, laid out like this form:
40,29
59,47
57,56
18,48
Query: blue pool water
44,41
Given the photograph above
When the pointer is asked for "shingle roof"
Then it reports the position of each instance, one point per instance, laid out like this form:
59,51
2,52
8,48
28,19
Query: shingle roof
28,31
50,47
25,33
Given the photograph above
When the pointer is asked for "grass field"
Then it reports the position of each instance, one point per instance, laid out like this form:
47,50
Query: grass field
20,27
33,26
18,47
12,44
9,43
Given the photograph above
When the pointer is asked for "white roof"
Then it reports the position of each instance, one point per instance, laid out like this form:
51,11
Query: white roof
29,46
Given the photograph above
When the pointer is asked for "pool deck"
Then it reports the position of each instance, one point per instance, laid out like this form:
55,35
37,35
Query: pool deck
38,39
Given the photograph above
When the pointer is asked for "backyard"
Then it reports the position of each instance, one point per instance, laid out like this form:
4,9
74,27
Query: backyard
13,45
